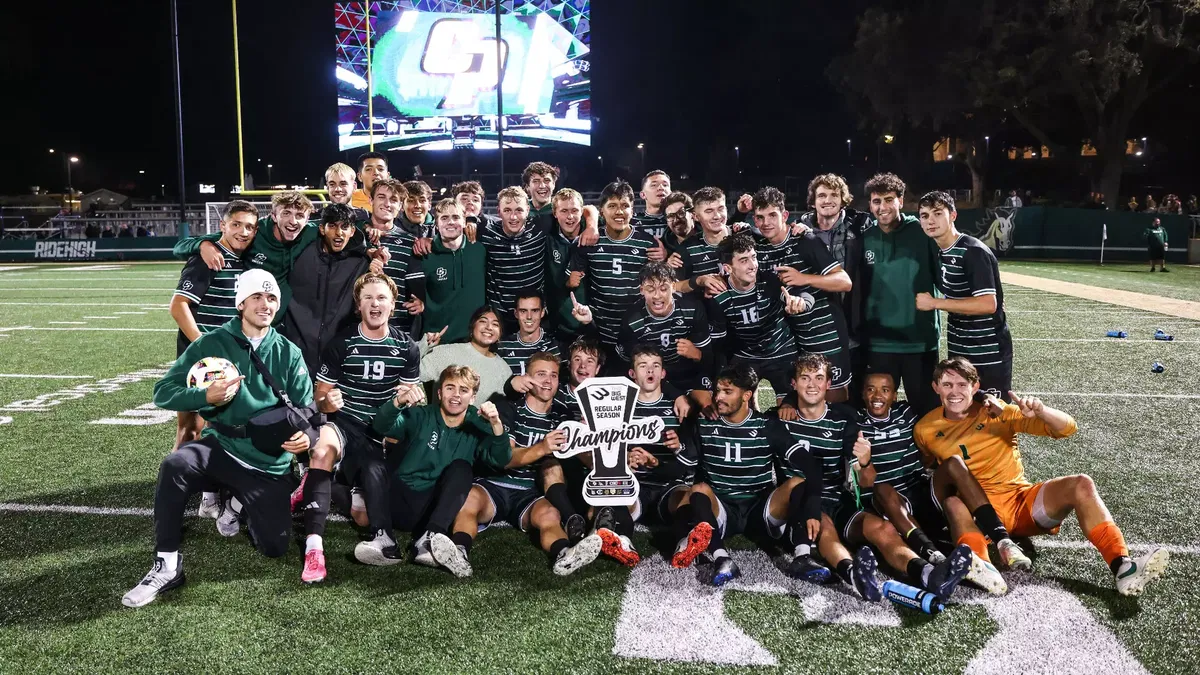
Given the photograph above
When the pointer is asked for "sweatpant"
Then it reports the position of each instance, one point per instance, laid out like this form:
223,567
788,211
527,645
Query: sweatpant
916,372
203,466
433,509
363,466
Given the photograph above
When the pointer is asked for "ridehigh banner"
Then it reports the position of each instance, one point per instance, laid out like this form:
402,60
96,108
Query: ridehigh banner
64,250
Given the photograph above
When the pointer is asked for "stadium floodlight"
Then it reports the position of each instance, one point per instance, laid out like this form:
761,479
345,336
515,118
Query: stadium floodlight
52,151
141,171
74,160
641,146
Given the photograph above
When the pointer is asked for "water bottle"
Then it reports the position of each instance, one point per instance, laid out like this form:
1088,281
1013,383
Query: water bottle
912,597
1160,334
1117,333
1157,367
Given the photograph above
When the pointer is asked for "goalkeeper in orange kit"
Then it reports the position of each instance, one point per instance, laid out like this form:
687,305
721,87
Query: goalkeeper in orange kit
984,435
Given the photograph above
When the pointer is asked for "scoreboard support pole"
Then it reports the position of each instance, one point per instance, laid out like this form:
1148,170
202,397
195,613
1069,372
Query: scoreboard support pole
500,94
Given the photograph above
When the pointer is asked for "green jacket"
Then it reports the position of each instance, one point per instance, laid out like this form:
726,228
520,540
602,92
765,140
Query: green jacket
558,296
427,445
266,252
454,287
282,358
1156,237
898,265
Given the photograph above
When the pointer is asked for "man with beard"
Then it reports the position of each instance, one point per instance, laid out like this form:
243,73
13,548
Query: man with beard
900,262
840,229
677,208
322,286
372,166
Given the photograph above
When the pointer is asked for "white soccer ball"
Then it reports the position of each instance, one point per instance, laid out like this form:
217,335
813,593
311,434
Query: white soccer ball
210,369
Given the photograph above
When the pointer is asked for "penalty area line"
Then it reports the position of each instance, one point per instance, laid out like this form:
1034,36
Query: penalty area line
46,377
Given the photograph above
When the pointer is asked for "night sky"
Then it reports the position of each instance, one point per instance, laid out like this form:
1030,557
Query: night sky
691,79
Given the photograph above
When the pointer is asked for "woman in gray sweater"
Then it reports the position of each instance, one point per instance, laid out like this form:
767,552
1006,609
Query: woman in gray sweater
479,354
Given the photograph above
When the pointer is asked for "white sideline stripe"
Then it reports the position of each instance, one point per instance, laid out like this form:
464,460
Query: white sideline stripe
1084,340
89,288
71,323
48,377
1041,542
126,313
99,317
80,304
116,330
1093,394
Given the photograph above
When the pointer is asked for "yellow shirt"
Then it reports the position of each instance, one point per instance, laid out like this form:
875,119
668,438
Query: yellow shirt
359,199
987,444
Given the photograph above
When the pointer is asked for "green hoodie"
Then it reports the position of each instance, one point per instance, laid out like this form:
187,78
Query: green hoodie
427,445
454,287
282,358
266,252
898,265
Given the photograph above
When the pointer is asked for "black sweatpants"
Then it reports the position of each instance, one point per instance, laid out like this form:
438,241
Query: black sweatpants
434,509
916,372
203,466
363,466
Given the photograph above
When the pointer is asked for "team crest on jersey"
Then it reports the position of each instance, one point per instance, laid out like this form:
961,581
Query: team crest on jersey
837,372
557,255
260,258
870,257
433,440
187,285
827,434
442,274
395,352
608,429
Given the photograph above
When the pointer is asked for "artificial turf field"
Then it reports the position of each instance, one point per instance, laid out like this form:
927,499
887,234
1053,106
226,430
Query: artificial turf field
79,454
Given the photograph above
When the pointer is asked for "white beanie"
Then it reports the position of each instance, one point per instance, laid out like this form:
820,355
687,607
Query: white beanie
255,281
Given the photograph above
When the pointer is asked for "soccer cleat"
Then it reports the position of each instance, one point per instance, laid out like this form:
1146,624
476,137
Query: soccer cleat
618,547
574,557
804,567
379,551
985,575
865,575
576,527
421,553
1133,576
156,581
229,520
724,570
210,506
298,493
450,555
605,519
946,575
314,567
1013,557
696,543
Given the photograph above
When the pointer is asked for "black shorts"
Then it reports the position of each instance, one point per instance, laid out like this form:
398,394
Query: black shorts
691,381
779,371
360,446
840,370
919,501
746,516
652,502
181,343
510,504
1156,253
996,378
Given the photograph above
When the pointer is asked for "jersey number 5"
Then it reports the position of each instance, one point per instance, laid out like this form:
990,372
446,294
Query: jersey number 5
616,265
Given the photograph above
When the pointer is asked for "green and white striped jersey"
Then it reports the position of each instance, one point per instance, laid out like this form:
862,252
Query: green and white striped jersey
816,330
739,460
894,453
516,352
367,371
830,440
210,293
969,269
526,428
611,270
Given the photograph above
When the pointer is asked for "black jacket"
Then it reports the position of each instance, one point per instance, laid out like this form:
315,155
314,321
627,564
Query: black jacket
851,258
322,298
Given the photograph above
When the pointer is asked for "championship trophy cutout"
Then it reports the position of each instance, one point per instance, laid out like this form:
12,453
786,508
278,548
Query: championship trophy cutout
607,404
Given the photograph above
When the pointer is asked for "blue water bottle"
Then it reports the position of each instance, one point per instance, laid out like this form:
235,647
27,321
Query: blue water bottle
912,597
1156,367
1117,333
1160,334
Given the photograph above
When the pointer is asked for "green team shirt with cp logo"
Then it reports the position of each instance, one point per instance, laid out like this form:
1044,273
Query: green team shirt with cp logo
898,265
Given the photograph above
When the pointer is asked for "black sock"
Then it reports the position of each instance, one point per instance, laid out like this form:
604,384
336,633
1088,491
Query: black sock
844,569
557,547
684,521
920,542
560,499
915,568
1115,565
797,523
622,521
702,510
463,539
317,489
987,520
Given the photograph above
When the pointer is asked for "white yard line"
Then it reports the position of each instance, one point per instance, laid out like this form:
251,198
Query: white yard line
1093,394
115,330
81,304
1104,339
69,323
128,313
46,377
100,317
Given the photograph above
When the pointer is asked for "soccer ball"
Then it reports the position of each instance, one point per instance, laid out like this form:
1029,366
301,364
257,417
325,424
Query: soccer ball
209,370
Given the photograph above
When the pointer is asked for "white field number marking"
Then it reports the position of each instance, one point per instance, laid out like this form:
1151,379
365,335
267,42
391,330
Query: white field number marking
144,415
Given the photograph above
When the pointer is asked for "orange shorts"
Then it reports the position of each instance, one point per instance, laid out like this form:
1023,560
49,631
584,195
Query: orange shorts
1015,509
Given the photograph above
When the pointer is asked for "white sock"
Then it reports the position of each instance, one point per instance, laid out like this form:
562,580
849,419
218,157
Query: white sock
235,505
720,553
313,542
925,574
209,497
802,549
170,560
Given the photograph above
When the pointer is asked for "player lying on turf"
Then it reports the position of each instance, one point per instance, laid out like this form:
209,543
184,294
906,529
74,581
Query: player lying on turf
253,463
203,302
437,447
511,495
360,370
737,454
985,437
830,432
